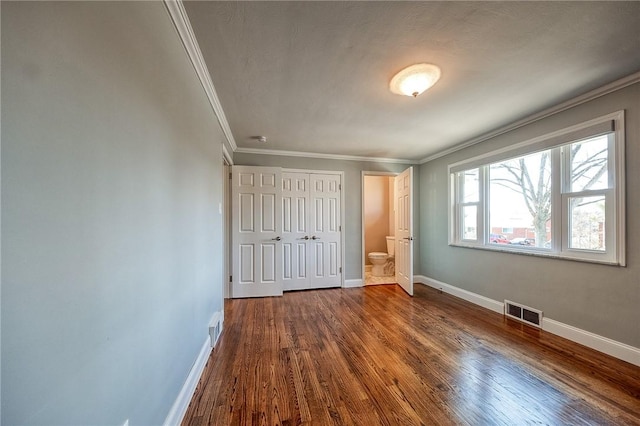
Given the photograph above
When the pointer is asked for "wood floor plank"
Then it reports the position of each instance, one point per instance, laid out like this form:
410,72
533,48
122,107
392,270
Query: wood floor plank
375,356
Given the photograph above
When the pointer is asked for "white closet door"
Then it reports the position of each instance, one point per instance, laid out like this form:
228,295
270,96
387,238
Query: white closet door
295,230
404,230
256,221
325,228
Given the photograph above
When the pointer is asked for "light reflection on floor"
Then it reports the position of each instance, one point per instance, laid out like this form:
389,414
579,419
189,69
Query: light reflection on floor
490,393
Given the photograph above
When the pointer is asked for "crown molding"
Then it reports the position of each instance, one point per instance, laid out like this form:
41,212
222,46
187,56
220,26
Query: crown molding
322,156
225,155
180,20
589,96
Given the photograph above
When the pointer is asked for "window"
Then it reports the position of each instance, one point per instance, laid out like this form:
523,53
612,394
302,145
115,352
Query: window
560,195
469,203
588,184
519,191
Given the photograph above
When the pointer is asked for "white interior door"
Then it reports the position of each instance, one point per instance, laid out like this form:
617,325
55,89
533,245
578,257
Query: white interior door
404,230
325,269
295,230
256,220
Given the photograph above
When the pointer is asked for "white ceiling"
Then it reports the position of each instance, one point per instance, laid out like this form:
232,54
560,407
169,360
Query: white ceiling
314,76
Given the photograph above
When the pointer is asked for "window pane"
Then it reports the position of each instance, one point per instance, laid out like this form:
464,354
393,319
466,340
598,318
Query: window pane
470,186
589,164
470,222
587,223
520,201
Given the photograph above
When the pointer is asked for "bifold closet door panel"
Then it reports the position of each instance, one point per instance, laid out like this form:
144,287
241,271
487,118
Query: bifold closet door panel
256,221
325,230
295,230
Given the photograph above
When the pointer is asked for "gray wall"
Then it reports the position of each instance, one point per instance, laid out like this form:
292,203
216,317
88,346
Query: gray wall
111,236
352,187
601,299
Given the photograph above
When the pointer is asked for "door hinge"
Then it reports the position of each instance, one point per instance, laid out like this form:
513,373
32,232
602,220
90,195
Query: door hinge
340,186
341,269
340,228
230,175
230,278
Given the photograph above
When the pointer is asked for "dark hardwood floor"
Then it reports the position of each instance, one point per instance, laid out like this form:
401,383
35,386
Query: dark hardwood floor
369,356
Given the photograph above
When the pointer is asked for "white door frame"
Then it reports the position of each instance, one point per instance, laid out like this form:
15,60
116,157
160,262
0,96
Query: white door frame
227,248
368,173
342,210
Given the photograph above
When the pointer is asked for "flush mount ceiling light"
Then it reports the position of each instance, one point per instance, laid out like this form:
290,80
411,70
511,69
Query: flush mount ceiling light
414,79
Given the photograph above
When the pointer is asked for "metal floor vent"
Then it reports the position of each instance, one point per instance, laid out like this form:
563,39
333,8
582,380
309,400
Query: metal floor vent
215,329
215,334
523,313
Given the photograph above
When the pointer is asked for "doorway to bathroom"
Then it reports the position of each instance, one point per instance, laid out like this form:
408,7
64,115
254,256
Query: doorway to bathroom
378,228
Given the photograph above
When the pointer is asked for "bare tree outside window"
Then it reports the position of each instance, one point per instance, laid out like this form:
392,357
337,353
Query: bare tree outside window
530,178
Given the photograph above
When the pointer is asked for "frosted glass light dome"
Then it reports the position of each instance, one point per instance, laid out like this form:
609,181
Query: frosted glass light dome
414,79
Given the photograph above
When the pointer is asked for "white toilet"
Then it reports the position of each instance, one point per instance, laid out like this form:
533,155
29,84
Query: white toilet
384,263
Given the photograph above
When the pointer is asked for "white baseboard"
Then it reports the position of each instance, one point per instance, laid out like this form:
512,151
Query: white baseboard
594,341
485,302
353,283
600,343
179,408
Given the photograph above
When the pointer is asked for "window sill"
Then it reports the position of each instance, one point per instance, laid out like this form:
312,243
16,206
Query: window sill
537,252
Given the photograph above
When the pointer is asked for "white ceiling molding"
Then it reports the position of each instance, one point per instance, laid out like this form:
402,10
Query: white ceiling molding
324,156
589,96
178,15
225,155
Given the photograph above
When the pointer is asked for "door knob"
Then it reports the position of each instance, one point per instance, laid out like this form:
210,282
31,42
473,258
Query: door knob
408,238
276,239
315,238
306,237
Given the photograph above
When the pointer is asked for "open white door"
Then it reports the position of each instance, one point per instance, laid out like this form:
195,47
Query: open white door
256,221
404,230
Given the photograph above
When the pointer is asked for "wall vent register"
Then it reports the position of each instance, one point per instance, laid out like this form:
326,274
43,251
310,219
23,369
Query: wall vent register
523,313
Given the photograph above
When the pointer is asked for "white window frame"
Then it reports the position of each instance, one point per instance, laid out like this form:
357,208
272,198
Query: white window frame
557,142
461,204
